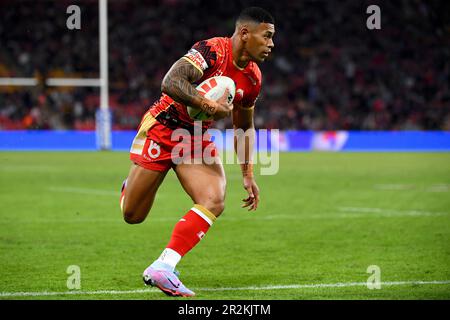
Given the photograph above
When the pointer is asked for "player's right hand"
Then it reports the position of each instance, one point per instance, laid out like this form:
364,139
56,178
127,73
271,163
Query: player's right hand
222,107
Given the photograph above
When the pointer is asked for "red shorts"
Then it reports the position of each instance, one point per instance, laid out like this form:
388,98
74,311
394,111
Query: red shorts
157,147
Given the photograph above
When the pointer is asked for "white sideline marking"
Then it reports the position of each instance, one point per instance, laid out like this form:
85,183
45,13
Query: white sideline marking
441,187
63,293
252,288
391,213
393,186
96,192
354,213
327,285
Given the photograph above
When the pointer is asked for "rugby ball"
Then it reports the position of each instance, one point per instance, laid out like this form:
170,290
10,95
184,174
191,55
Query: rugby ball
213,89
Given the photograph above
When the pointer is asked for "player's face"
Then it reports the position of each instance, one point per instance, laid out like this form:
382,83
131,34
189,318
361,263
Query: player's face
260,41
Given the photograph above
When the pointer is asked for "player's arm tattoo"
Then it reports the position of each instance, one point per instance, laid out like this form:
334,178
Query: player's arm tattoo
177,83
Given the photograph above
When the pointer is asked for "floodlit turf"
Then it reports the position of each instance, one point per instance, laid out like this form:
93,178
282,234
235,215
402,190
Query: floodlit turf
323,219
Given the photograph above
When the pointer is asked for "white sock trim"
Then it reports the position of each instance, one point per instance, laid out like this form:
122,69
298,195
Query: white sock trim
170,257
201,214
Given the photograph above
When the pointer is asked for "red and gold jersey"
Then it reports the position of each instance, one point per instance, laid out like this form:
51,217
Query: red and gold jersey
213,57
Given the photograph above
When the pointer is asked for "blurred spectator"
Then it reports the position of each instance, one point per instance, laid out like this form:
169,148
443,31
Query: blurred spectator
327,72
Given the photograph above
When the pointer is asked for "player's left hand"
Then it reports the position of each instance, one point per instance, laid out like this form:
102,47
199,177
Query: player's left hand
253,194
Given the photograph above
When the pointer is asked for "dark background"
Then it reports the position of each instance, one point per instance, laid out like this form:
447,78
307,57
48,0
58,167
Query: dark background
327,71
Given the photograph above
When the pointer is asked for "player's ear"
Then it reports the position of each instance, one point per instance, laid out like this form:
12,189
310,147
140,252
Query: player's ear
245,32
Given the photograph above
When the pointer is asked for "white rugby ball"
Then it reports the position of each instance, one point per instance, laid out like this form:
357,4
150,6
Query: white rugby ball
213,89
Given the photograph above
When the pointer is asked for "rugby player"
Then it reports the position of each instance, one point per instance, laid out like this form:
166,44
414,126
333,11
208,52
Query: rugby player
151,151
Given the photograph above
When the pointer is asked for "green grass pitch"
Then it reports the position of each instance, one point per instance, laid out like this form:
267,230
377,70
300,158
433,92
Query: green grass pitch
322,221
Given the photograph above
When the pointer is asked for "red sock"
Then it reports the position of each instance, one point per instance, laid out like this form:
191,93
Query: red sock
190,229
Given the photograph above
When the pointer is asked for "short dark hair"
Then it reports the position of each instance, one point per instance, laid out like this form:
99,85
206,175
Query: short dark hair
255,14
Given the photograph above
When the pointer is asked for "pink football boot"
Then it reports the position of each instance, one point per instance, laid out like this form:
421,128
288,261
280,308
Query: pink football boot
167,282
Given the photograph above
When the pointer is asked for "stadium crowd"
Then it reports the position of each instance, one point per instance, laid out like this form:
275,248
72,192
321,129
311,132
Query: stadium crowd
328,70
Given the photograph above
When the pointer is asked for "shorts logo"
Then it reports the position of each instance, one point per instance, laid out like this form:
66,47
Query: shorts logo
154,150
